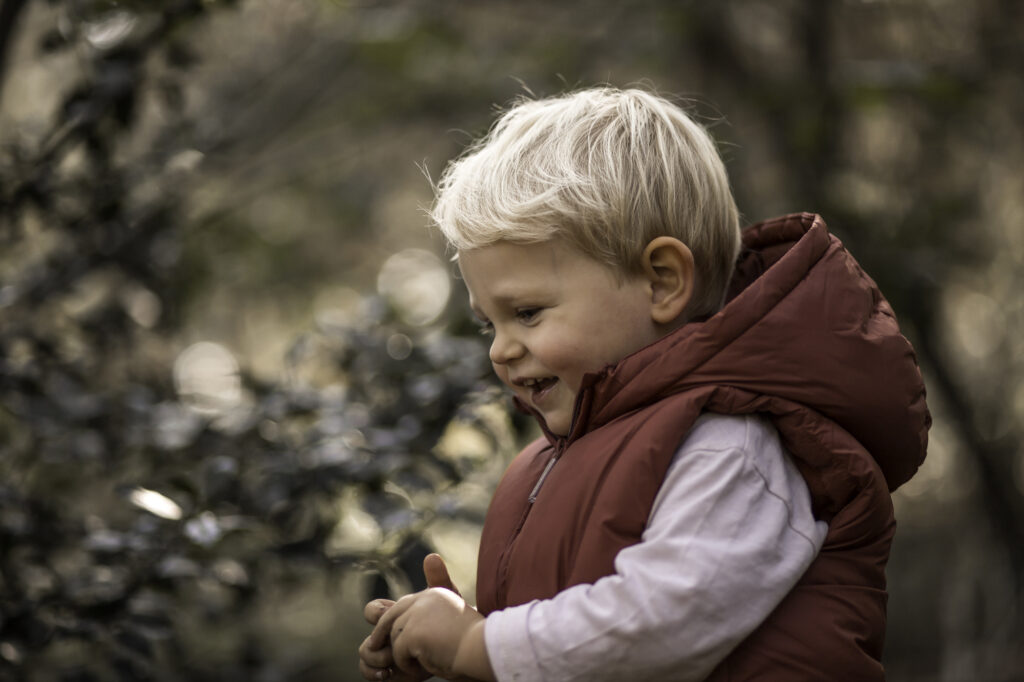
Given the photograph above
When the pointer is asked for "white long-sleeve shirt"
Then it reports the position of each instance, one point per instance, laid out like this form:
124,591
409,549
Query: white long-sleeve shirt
729,534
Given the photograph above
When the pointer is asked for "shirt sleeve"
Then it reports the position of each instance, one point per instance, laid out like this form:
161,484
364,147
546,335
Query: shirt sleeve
730,533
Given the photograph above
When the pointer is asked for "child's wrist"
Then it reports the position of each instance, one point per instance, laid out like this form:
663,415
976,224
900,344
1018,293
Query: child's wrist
471,659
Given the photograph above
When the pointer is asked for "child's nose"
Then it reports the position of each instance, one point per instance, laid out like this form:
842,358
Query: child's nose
505,348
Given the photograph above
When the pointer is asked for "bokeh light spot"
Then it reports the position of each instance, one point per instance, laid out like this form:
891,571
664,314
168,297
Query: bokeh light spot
207,377
417,284
399,346
977,323
109,31
156,503
142,305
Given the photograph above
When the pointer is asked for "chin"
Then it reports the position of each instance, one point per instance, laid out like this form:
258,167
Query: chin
557,429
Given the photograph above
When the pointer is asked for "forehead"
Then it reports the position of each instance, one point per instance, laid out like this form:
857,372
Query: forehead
549,252
531,273
506,256
503,269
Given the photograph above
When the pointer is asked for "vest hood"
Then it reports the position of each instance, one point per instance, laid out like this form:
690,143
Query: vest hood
804,324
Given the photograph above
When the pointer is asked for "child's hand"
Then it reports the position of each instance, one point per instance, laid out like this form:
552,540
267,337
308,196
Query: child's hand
379,663
433,631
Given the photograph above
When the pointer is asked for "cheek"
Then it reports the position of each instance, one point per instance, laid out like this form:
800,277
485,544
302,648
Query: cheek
500,371
570,357
597,346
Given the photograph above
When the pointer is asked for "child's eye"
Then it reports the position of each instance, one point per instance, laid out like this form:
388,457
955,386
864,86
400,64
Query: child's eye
527,315
486,328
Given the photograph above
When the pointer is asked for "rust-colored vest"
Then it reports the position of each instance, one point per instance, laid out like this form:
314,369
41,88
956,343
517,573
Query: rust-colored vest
806,339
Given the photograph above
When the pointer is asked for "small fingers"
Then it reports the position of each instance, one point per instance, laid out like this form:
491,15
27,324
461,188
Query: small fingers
379,664
381,632
406,660
397,675
375,609
376,657
407,664
370,673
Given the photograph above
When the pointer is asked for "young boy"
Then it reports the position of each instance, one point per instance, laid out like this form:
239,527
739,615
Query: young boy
710,499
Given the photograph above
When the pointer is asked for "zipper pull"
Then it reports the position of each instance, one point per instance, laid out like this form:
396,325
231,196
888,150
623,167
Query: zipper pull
547,469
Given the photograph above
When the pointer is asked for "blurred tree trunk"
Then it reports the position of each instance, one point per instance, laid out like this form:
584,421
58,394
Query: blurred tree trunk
10,10
810,142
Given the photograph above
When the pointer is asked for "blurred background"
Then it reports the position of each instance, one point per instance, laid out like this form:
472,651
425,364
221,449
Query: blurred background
239,394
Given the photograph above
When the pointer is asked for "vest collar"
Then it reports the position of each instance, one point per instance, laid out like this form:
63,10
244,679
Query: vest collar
803,323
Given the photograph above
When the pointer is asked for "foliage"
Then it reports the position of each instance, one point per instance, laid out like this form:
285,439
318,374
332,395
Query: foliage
135,506
204,167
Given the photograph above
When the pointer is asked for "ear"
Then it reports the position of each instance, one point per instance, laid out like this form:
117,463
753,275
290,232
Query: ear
668,265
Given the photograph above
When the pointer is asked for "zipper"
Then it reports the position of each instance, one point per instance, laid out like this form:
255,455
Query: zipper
544,474
505,557
561,442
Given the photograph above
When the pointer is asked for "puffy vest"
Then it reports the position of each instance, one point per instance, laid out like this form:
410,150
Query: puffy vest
806,339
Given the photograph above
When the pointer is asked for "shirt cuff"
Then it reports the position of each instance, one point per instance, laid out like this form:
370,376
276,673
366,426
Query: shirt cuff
507,639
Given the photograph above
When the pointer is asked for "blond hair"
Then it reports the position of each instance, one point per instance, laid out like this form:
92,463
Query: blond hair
608,170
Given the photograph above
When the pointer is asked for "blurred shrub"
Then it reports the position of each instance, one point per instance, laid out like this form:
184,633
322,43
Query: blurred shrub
143,509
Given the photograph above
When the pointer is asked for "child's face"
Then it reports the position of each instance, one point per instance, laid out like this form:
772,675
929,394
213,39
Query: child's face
554,314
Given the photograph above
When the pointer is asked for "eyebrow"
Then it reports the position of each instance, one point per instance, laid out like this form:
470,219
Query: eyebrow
513,297
500,300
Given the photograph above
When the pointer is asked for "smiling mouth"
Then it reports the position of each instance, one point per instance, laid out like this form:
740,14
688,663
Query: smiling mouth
538,387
